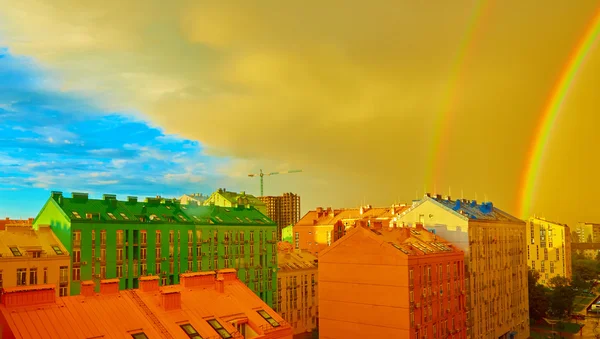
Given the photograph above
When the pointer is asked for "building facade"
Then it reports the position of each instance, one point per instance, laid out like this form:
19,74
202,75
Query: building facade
283,209
495,248
29,257
126,240
318,229
225,198
549,249
287,234
198,198
203,305
396,282
297,295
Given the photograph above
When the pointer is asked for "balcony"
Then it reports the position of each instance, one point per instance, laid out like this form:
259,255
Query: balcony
76,242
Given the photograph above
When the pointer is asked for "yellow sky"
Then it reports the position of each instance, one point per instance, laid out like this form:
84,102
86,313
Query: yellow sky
348,91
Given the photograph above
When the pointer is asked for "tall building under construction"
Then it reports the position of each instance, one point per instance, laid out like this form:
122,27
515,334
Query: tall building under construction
283,209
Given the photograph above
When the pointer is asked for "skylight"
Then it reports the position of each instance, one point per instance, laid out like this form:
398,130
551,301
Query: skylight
183,208
112,216
15,251
190,331
238,219
181,217
57,250
216,325
124,217
195,217
76,215
268,318
219,219
139,335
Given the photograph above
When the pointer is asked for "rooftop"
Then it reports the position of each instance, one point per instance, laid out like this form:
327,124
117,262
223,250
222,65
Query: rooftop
208,304
330,216
80,208
408,241
234,197
534,218
25,242
289,259
469,209
16,222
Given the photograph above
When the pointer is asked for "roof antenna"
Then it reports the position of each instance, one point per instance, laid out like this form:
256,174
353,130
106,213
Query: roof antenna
449,191
462,194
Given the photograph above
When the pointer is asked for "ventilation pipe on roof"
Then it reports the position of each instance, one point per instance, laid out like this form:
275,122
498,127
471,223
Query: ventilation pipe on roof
220,285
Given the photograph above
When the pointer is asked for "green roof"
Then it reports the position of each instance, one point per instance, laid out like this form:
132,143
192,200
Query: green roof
80,208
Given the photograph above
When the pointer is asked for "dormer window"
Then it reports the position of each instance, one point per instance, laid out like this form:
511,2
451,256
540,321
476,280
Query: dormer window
57,250
76,215
268,318
124,216
15,251
168,207
154,217
88,216
112,216
216,325
190,331
139,335
35,254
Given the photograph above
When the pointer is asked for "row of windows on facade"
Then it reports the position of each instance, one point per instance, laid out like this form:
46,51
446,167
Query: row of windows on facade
120,270
16,252
425,273
542,234
546,254
143,239
155,217
227,251
441,327
32,273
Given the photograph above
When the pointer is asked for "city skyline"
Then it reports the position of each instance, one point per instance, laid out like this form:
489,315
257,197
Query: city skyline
472,96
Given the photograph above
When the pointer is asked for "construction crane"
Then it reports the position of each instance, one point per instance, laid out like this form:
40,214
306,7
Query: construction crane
261,175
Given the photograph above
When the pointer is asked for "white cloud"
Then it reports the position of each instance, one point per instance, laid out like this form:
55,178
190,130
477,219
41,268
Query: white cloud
103,182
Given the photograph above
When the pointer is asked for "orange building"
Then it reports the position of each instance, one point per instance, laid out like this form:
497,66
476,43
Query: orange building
297,288
318,229
397,282
205,305
32,257
15,222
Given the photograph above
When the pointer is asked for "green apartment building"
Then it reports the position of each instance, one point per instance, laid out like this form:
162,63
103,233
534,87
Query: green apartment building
112,239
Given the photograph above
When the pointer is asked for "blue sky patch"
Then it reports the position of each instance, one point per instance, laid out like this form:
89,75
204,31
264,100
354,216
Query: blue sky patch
50,140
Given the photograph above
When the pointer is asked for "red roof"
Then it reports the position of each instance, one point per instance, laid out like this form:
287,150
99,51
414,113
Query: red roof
116,315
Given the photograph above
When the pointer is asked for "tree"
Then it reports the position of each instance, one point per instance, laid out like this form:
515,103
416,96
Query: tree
561,297
574,237
538,300
586,269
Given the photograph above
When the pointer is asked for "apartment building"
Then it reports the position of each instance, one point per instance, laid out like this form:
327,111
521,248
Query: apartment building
287,234
495,248
283,209
32,257
198,198
318,229
549,249
225,198
204,305
15,222
126,240
395,282
297,288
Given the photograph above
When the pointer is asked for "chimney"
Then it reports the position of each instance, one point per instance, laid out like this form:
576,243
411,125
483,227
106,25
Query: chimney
405,234
109,286
87,288
170,298
132,199
108,196
319,209
197,279
428,195
149,283
220,285
362,210
438,196
28,295
80,196
473,203
228,274
419,227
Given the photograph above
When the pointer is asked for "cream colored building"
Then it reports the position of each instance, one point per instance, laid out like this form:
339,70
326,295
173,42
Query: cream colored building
496,269
225,198
588,233
195,197
297,288
29,257
548,249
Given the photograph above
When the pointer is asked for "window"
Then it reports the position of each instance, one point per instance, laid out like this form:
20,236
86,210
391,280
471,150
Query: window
125,217
62,292
103,254
21,276
120,237
45,275
102,272
119,271
15,251
157,268
144,237
64,275
57,250
158,253
1,285
76,273
171,237
190,331
76,256
35,254
158,237
139,335
102,237
76,215
119,254
268,318
171,267
143,253
219,328
76,238
112,216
